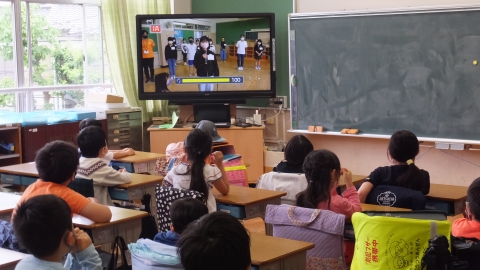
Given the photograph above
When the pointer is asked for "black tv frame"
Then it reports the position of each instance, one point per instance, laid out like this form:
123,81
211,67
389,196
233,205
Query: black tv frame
188,98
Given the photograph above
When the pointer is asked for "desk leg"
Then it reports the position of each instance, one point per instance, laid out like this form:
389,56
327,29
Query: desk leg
259,209
130,230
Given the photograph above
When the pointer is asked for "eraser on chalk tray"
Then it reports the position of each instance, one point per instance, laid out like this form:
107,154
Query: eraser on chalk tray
315,129
349,131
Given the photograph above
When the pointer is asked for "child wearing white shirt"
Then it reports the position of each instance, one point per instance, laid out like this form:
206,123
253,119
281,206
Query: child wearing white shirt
241,50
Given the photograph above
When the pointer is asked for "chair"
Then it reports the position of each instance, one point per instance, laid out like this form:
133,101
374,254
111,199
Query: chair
165,196
291,183
322,227
397,197
83,186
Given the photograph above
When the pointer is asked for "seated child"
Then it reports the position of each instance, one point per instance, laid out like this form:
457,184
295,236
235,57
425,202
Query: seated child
111,154
182,213
164,246
298,147
200,173
402,150
217,241
469,227
57,164
93,145
43,224
323,171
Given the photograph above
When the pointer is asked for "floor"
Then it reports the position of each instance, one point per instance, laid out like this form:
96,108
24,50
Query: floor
254,79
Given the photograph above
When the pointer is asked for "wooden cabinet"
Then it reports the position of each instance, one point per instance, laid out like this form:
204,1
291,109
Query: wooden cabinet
248,143
11,135
35,137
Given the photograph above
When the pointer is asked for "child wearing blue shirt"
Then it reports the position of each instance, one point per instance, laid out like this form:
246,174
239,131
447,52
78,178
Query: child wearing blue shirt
43,225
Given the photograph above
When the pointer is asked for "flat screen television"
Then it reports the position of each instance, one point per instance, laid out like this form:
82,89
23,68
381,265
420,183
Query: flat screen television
206,75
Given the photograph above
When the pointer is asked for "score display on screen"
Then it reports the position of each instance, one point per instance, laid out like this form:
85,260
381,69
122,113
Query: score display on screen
189,80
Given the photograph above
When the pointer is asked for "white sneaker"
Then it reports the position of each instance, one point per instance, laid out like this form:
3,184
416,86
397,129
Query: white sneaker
184,64
239,68
190,75
258,68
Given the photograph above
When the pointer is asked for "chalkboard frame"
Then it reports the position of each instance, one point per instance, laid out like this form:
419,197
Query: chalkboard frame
358,13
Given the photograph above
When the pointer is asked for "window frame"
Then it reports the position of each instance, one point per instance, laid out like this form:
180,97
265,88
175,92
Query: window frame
25,95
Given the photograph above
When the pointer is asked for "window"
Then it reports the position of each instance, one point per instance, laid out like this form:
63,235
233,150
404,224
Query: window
7,65
61,47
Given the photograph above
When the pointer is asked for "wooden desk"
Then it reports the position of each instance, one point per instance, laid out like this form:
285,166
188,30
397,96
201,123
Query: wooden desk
270,252
373,207
125,222
10,258
25,174
8,202
453,218
141,162
247,203
447,198
248,142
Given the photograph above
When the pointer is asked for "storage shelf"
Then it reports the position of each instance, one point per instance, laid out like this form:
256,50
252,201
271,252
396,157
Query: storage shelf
9,156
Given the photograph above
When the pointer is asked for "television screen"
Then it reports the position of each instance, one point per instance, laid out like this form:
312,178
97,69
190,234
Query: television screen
190,58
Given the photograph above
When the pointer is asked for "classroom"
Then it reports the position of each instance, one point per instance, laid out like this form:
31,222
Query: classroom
93,61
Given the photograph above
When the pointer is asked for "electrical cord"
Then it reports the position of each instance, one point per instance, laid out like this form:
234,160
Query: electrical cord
279,111
186,120
476,165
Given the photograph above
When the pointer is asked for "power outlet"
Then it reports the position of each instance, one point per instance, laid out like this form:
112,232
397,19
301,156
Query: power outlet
276,101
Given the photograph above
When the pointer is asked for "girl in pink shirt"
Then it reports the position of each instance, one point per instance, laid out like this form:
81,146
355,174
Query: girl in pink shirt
322,170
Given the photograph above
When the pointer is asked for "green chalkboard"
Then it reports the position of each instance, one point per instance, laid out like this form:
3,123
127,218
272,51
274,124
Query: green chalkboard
385,71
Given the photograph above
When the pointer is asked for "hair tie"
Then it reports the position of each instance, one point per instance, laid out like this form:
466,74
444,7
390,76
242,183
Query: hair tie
409,162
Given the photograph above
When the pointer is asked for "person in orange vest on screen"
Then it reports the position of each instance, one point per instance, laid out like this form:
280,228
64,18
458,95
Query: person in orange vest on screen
147,57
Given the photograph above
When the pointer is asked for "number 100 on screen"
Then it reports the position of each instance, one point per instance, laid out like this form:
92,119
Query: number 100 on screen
188,80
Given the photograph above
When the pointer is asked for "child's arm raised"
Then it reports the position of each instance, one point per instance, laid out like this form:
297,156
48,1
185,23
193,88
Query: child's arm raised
222,185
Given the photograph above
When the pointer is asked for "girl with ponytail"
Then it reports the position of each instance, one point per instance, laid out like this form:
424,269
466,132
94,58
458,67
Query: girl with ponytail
402,150
322,170
203,171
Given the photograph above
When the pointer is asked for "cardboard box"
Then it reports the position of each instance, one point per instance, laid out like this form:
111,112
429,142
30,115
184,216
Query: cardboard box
103,98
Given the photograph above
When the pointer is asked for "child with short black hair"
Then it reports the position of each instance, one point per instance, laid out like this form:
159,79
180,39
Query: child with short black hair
217,241
201,173
322,170
469,227
171,56
93,146
297,149
43,224
182,213
57,164
112,154
402,150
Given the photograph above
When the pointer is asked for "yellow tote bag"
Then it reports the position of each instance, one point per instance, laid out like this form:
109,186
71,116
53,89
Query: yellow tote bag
392,243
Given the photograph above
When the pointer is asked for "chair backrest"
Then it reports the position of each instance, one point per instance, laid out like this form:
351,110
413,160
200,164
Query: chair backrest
322,227
397,197
291,183
165,196
389,242
82,186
